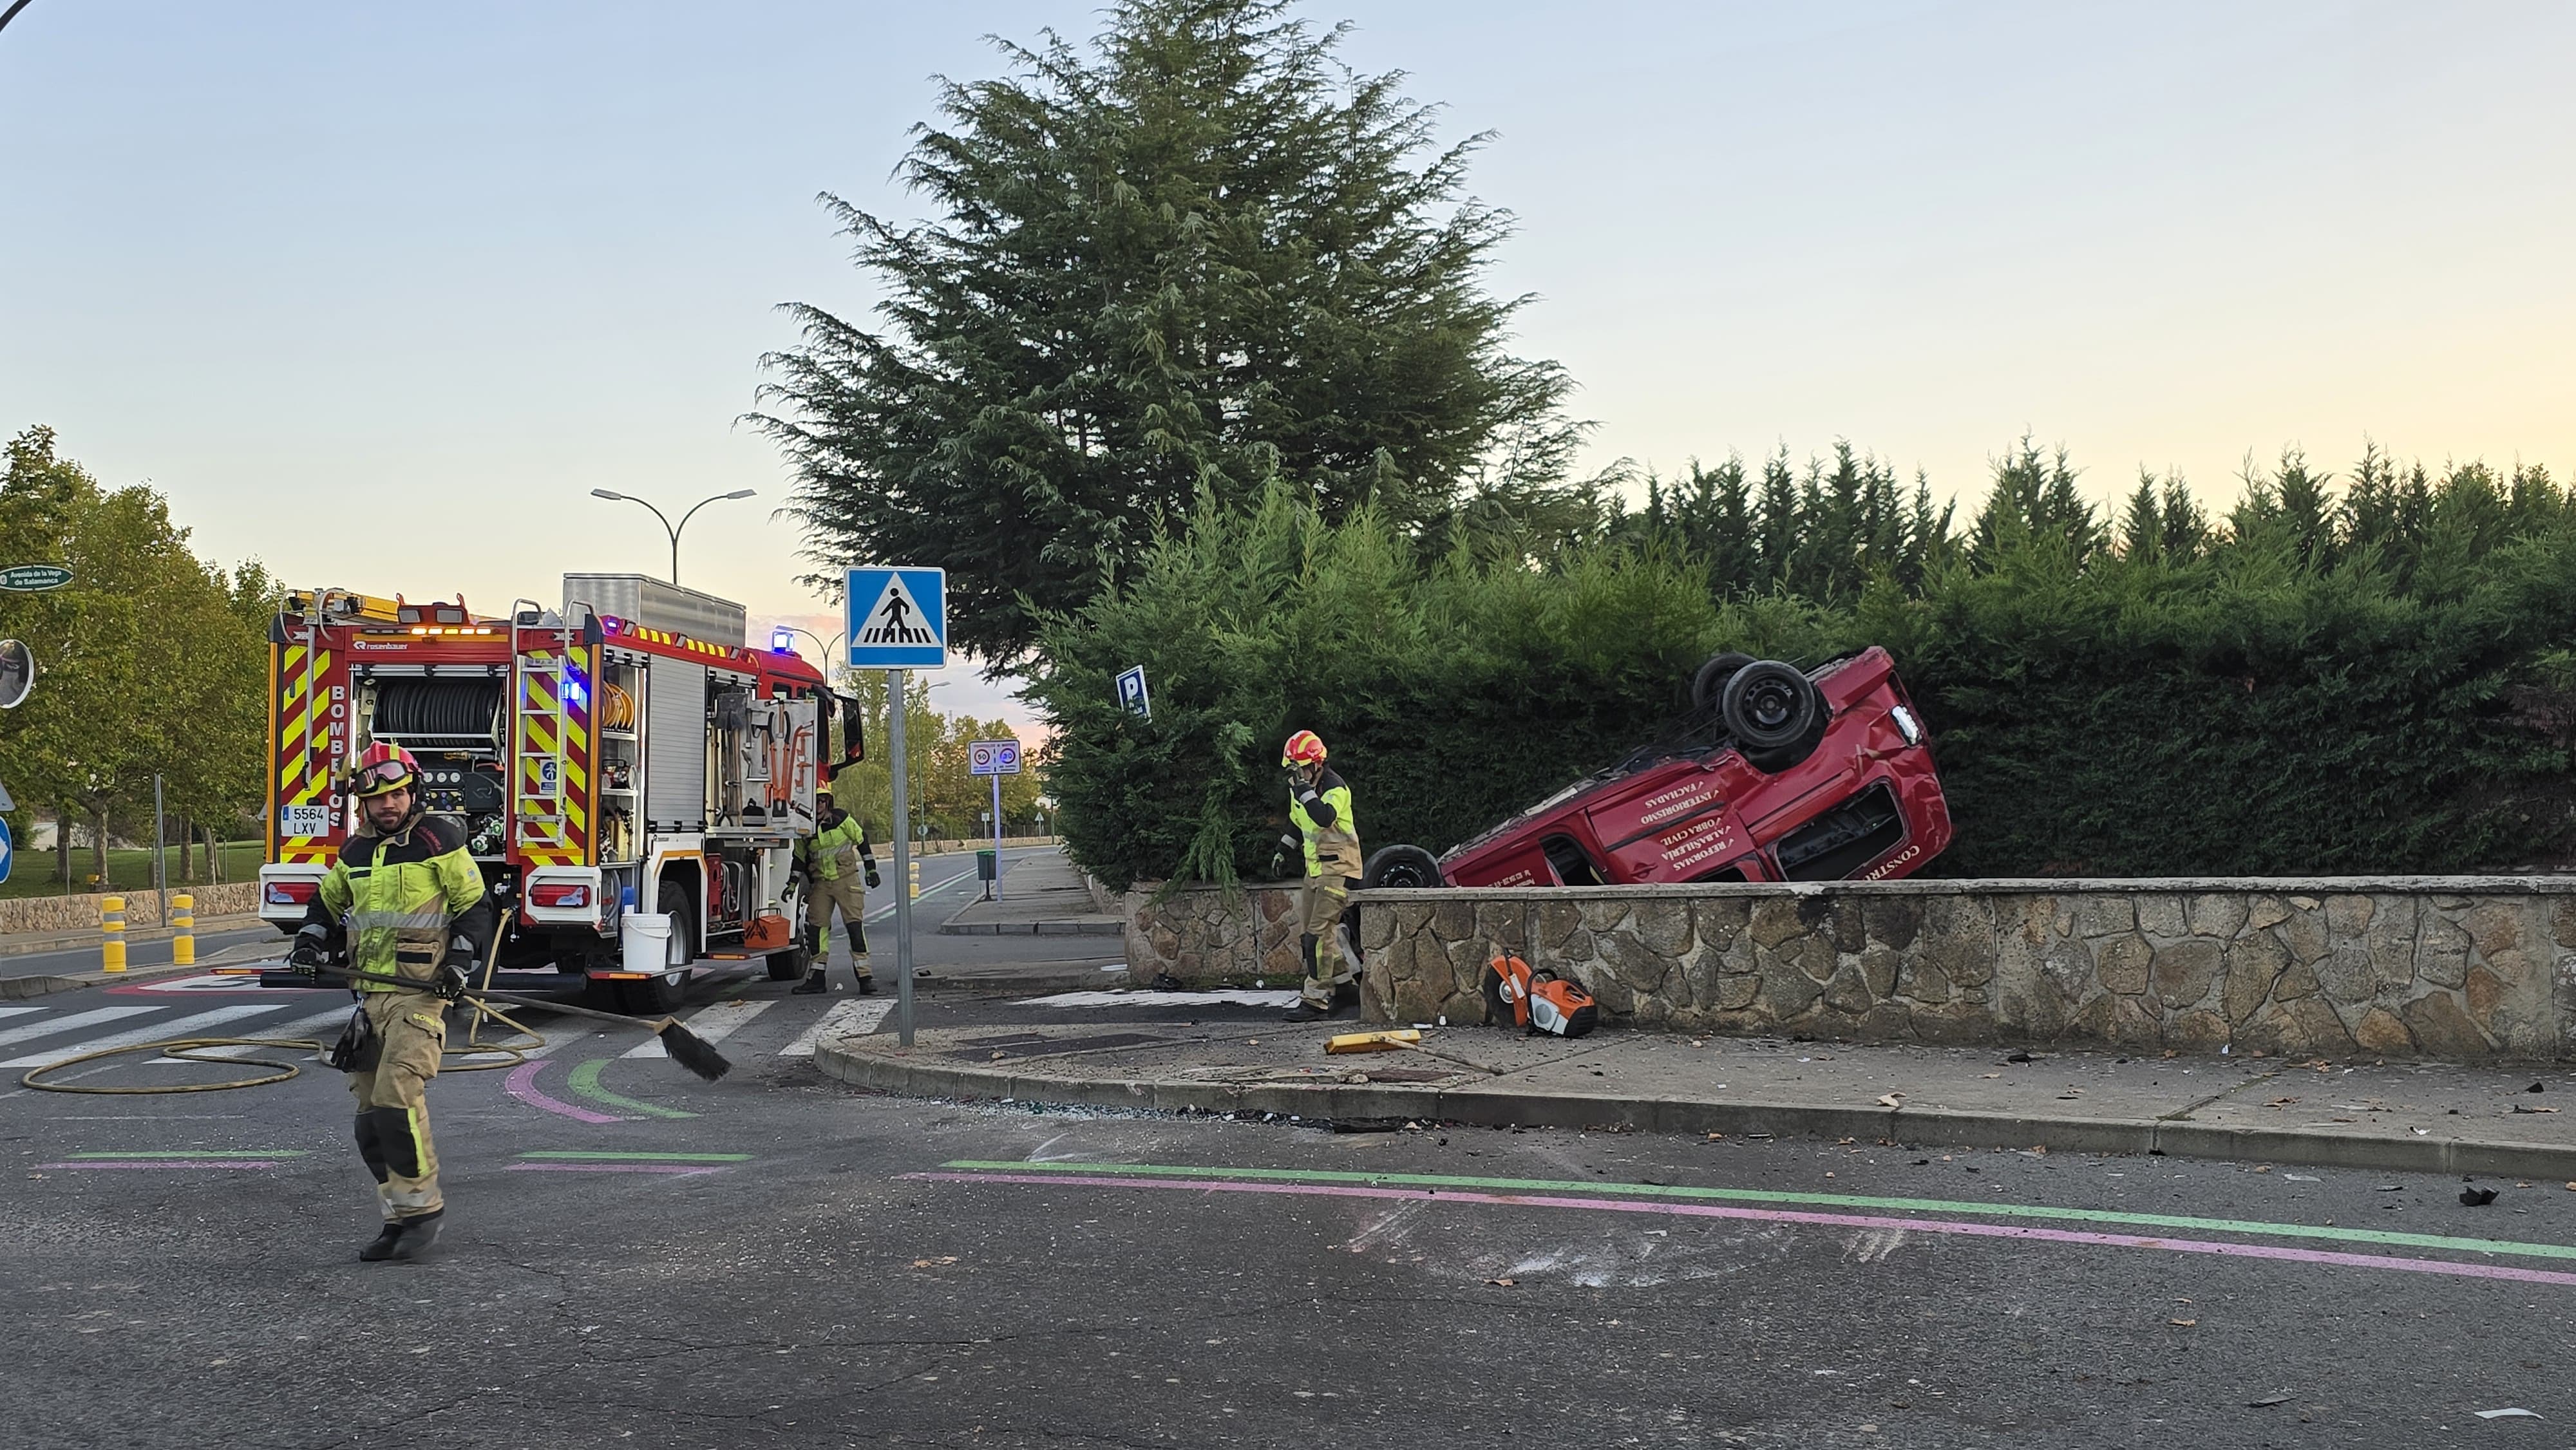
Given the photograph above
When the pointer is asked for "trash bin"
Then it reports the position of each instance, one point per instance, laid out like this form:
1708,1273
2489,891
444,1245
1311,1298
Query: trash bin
646,941
988,869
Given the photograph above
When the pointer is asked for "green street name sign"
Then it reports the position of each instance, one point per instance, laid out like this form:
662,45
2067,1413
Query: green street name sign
27,578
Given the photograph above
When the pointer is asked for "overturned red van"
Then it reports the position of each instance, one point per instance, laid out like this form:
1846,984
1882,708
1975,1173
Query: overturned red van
1779,775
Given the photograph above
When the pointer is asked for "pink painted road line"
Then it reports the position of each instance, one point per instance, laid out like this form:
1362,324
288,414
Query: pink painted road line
672,1168
174,1163
522,1084
1781,1215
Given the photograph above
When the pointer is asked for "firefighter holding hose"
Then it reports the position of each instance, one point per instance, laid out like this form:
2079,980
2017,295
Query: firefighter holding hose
1319,806
831,860
404,900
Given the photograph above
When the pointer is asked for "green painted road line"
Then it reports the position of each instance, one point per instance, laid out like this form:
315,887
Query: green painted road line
205,1153
585,1155
1834,1200
585,1081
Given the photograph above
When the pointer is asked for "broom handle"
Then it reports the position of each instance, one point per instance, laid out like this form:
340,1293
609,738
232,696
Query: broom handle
652,1024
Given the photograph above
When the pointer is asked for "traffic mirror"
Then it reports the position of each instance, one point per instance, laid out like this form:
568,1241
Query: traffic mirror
17,672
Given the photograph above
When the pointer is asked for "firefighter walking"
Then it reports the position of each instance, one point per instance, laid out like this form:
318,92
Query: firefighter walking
403,900
832,861
1319,806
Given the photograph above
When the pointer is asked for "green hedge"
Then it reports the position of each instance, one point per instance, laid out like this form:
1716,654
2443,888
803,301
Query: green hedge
2256,709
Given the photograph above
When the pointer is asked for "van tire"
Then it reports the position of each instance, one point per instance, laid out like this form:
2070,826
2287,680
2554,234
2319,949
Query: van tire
1774,712
1401,867
1708,686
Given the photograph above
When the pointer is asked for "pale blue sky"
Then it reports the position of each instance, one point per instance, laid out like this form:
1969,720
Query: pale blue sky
311,268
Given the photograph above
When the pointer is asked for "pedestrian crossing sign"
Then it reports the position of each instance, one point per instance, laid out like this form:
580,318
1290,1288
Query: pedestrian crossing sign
897,618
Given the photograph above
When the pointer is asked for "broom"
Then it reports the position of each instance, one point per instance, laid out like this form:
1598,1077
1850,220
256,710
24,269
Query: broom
687,1048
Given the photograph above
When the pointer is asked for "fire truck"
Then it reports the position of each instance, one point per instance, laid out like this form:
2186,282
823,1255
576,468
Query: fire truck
631,777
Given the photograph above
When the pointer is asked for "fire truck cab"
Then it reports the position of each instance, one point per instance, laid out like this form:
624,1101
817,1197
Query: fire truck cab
631,777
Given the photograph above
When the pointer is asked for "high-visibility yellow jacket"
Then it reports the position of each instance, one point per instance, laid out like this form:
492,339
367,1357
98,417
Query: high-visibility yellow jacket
402,902
1322,815
838,845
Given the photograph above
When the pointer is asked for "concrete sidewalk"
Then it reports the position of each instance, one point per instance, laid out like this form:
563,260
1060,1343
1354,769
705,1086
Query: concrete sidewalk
1043,894
2398,1117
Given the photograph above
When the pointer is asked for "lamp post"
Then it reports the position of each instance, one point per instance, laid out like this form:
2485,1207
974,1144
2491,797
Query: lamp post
669,527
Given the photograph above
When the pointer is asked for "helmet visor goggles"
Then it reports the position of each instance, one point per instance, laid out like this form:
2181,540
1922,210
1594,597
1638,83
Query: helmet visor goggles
381,778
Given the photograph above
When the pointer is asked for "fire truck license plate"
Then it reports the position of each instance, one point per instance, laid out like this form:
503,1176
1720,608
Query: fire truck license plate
312,820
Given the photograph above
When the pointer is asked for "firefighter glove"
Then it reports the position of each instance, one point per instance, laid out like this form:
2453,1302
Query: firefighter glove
873,878
311,950
456,969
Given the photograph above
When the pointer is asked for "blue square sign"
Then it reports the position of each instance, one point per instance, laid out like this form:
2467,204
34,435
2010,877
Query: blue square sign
897,618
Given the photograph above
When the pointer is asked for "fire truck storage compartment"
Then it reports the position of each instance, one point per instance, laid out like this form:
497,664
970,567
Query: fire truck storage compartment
439,713
1842,840
655,604
619,683
675,745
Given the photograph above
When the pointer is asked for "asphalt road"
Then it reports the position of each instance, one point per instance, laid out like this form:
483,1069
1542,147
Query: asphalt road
637,1258
139,955
948,883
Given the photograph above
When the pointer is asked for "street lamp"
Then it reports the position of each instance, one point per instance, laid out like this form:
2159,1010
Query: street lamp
673,529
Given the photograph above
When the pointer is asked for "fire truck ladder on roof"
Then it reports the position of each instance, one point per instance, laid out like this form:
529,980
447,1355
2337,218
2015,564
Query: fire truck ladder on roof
537,693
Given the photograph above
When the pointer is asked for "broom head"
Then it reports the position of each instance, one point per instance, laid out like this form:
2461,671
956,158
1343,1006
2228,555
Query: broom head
691,1051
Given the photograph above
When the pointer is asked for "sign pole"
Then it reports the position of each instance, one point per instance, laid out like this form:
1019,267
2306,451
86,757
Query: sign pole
898,621
902,859
997,838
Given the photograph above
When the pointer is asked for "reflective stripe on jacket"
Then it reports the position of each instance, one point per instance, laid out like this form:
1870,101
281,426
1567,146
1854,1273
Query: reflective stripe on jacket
837,847
401,898
1330,831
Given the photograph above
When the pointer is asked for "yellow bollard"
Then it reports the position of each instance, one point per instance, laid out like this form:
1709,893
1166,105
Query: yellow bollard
916,881
111,923
183,916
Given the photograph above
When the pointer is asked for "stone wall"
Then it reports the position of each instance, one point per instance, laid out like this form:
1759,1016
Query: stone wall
1203,936
142,908
2435,967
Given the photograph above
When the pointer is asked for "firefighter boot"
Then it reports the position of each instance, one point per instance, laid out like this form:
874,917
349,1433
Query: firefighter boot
867,980
813,983
381,1247
413,1236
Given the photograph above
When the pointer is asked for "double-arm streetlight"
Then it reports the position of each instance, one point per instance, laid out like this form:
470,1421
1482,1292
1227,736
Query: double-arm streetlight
673,529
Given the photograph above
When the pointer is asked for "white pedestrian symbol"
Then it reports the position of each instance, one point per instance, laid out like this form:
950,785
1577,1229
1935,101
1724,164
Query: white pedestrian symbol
891,621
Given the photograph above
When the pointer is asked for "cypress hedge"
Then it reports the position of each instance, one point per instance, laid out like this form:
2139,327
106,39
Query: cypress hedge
2386,685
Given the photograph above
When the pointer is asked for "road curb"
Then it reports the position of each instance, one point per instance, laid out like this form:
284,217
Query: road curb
1074,926
1487,1105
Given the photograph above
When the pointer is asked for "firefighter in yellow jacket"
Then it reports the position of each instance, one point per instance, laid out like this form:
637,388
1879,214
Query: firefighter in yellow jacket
831,861
1319,806
404,900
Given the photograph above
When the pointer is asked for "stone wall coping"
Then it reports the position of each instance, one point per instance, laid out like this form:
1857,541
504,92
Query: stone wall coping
2001,886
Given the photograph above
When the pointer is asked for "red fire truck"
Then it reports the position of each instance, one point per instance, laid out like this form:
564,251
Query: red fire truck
631,777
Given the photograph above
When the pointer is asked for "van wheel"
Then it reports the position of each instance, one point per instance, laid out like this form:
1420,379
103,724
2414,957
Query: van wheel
1775,714
1401,866
1708,687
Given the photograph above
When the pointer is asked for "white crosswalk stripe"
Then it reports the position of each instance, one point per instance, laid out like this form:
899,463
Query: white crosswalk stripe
18,1011
73,1022
852,1018
189,1026
320,1027
714,1024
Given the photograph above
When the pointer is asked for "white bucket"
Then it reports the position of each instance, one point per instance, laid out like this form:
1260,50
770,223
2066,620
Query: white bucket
646,941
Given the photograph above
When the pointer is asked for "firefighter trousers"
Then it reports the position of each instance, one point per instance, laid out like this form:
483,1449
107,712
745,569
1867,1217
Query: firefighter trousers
849,896
1320,900
393,1101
